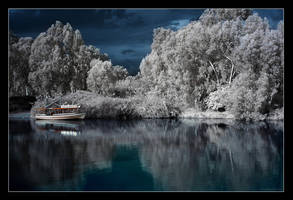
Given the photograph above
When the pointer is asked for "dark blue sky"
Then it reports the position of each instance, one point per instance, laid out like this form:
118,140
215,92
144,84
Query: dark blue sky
124,34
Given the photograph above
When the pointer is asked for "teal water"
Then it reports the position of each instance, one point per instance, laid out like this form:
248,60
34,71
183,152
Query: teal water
145,155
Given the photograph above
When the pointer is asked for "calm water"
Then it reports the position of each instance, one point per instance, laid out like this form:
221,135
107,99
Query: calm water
145,155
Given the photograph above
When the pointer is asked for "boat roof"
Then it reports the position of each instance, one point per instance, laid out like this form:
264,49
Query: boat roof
69,106
57,108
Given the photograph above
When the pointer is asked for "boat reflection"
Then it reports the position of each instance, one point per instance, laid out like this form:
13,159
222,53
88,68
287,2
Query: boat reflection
64,127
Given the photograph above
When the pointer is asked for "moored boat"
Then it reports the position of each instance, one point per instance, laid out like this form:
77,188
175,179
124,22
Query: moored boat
61,116
62,112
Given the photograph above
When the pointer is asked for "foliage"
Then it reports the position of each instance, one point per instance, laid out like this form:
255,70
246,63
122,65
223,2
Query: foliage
56,61
218,99
229,58
103,77
19,50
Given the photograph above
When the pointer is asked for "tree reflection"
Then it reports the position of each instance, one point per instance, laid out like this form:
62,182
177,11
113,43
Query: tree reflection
180,154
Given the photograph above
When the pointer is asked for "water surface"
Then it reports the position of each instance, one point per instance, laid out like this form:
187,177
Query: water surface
145,155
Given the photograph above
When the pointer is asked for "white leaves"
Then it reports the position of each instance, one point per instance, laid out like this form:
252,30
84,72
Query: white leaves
102,77
61,51
213,16
213,52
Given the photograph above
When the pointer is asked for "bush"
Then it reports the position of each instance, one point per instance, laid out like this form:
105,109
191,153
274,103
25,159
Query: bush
152,106
218,99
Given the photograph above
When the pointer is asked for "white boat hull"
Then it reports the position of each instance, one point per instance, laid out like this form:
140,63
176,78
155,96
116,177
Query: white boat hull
61,116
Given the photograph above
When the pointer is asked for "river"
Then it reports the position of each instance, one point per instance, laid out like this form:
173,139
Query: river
145,155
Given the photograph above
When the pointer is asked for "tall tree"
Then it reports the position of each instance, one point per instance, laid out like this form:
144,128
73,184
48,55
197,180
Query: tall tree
222,48
59,60
19,51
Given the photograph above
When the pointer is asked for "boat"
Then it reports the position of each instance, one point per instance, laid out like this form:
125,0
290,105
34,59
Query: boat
59,113
61,116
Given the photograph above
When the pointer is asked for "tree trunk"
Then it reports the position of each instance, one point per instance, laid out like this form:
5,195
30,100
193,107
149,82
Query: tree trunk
215,72
232,68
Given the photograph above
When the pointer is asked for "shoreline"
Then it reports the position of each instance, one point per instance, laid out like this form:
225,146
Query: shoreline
25,115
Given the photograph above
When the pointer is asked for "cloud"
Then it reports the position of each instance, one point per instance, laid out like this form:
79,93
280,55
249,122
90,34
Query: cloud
177,24
127,51
121,18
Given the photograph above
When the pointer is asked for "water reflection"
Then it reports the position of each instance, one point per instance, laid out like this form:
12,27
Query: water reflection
61,126
179,154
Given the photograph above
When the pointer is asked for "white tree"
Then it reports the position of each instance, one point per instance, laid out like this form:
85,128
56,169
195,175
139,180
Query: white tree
60,57
103,76
196,59
209,54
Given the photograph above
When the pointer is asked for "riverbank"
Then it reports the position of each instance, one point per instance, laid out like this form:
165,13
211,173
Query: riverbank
278,114
142,107
192,113
188,114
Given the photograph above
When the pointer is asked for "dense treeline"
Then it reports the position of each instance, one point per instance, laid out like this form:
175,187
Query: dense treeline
55,62
228,60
